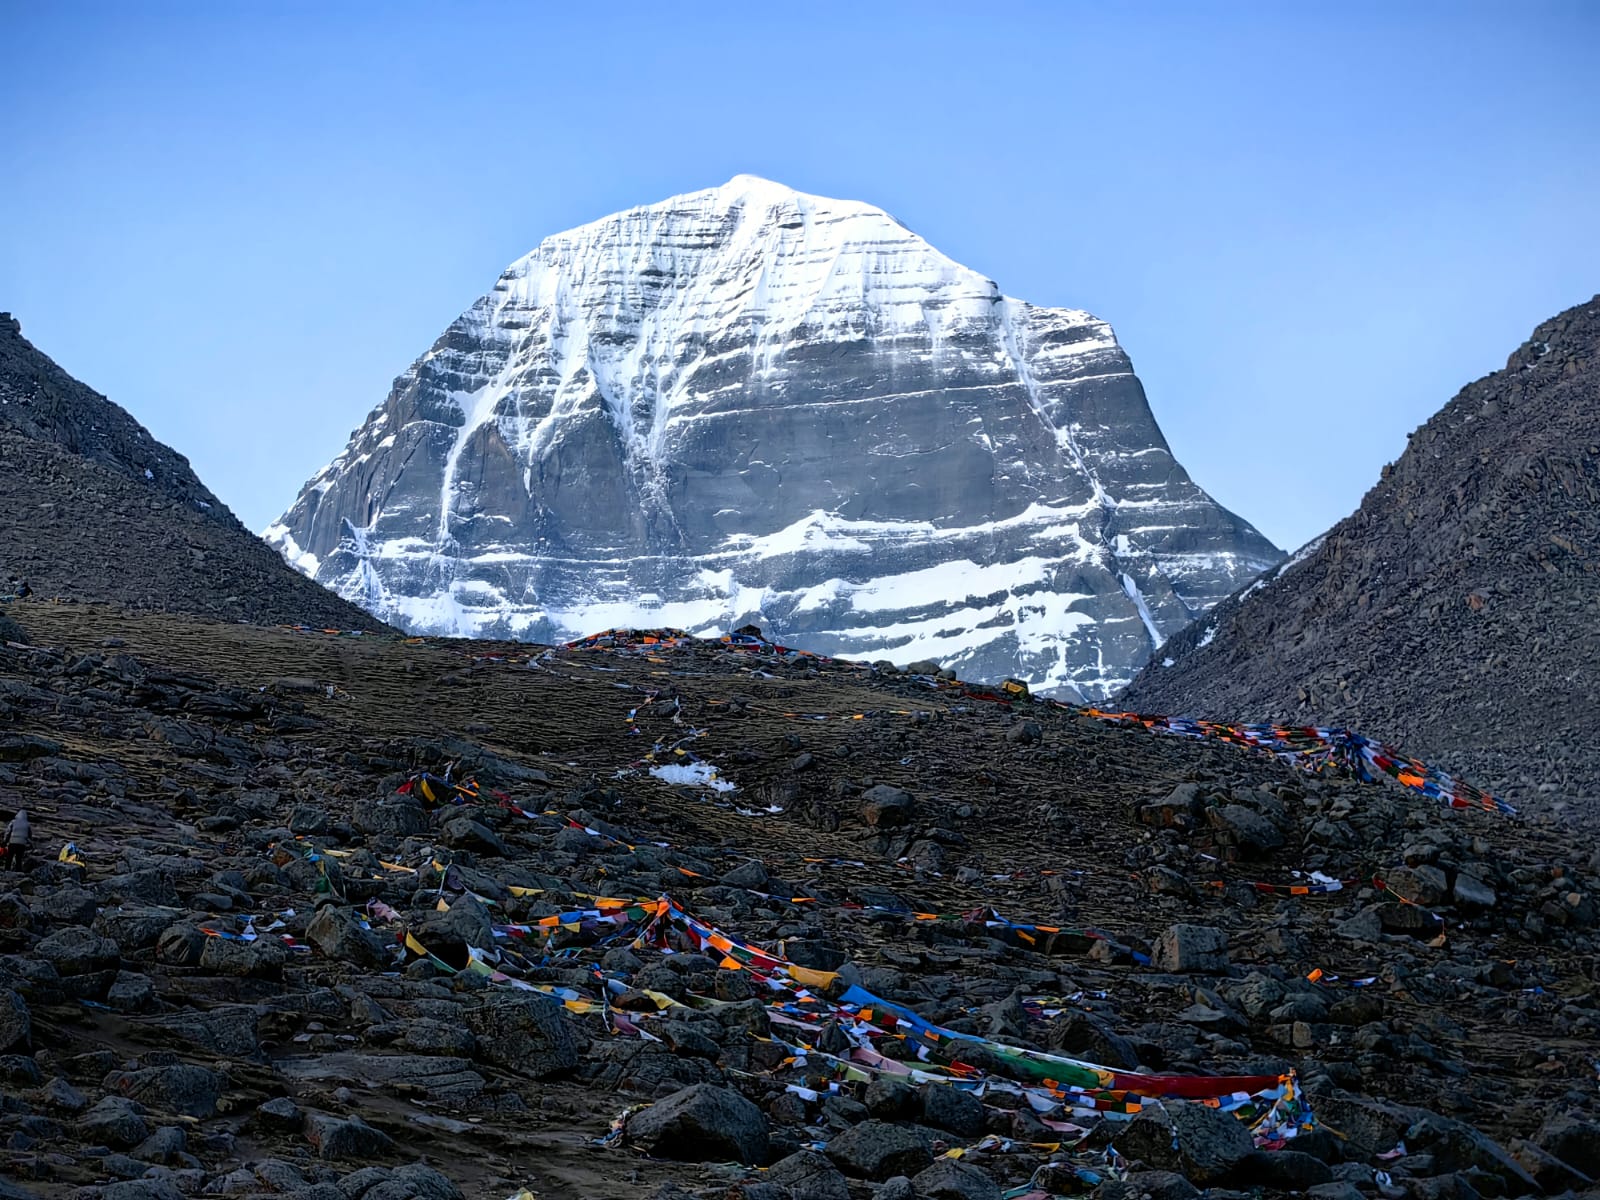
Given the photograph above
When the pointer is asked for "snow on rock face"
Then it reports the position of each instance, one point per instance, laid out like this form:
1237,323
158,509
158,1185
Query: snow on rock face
750,404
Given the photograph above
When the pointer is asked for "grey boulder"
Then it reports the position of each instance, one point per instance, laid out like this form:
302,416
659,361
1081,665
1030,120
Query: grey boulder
702,1123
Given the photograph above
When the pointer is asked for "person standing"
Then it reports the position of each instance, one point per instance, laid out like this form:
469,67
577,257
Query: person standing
19,840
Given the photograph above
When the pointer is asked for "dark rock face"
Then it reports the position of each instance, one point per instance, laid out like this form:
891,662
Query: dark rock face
748,404
191,1091
526,1034
93,507
1457,611
1192,948
1200,1142
808,1176
337,934
703,1122
337,1138
16,1024
878,1150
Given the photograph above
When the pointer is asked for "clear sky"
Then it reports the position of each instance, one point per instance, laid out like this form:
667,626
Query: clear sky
1309,224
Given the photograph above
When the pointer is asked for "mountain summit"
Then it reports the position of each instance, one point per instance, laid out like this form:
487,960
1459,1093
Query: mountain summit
751,404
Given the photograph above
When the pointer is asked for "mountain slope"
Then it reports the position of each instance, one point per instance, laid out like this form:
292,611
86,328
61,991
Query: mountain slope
749,404
94,508
1457,611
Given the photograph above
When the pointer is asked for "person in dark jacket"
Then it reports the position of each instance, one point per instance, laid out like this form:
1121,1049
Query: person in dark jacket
19,840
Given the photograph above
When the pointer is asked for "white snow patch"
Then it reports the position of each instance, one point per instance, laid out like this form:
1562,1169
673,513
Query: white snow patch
696,774
948,582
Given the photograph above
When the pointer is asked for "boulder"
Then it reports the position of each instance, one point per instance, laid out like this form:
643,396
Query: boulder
1148,1185
260,959
1423,884
414,1181
159,1188
180,946
1176,810
166,1145
68,905
1573,1139
951,1109
190,1091
883,806
1200,1143
1471,892
397,817
1281,1171
1337,1190
1084,1035
526,1033
16,1024
1024,733
1192,948
1410,919
115,1121
702,1123
807,1175
349,1139
78,951
61,1095
338,934
1455,1147
131,992
751,875
876,1150
1249,834
448,934
889,1099
463,833
230,1030
950,1179
1551,1173
281,1113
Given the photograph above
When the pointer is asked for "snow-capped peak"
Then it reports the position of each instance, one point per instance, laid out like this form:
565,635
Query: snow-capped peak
643,402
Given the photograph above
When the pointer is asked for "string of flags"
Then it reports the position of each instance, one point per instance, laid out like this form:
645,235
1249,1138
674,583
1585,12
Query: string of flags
1312,748
802,1000
1319,748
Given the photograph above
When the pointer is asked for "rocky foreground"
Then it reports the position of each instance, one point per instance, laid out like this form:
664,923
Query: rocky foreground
806,958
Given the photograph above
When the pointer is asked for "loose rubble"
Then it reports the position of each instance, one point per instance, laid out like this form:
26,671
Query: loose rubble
265,949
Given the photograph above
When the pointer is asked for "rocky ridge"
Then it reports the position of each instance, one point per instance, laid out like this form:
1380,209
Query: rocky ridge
94,508
209,991
1457,611
750,404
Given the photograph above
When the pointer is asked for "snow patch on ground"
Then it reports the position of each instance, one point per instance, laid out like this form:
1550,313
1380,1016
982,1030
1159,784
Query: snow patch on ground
695,774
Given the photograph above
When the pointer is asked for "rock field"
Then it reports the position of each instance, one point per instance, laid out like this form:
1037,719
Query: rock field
251,958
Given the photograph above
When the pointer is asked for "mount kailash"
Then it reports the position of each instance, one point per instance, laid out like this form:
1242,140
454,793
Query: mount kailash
747,404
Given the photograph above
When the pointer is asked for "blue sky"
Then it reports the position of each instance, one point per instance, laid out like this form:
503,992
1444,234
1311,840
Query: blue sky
1310,225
